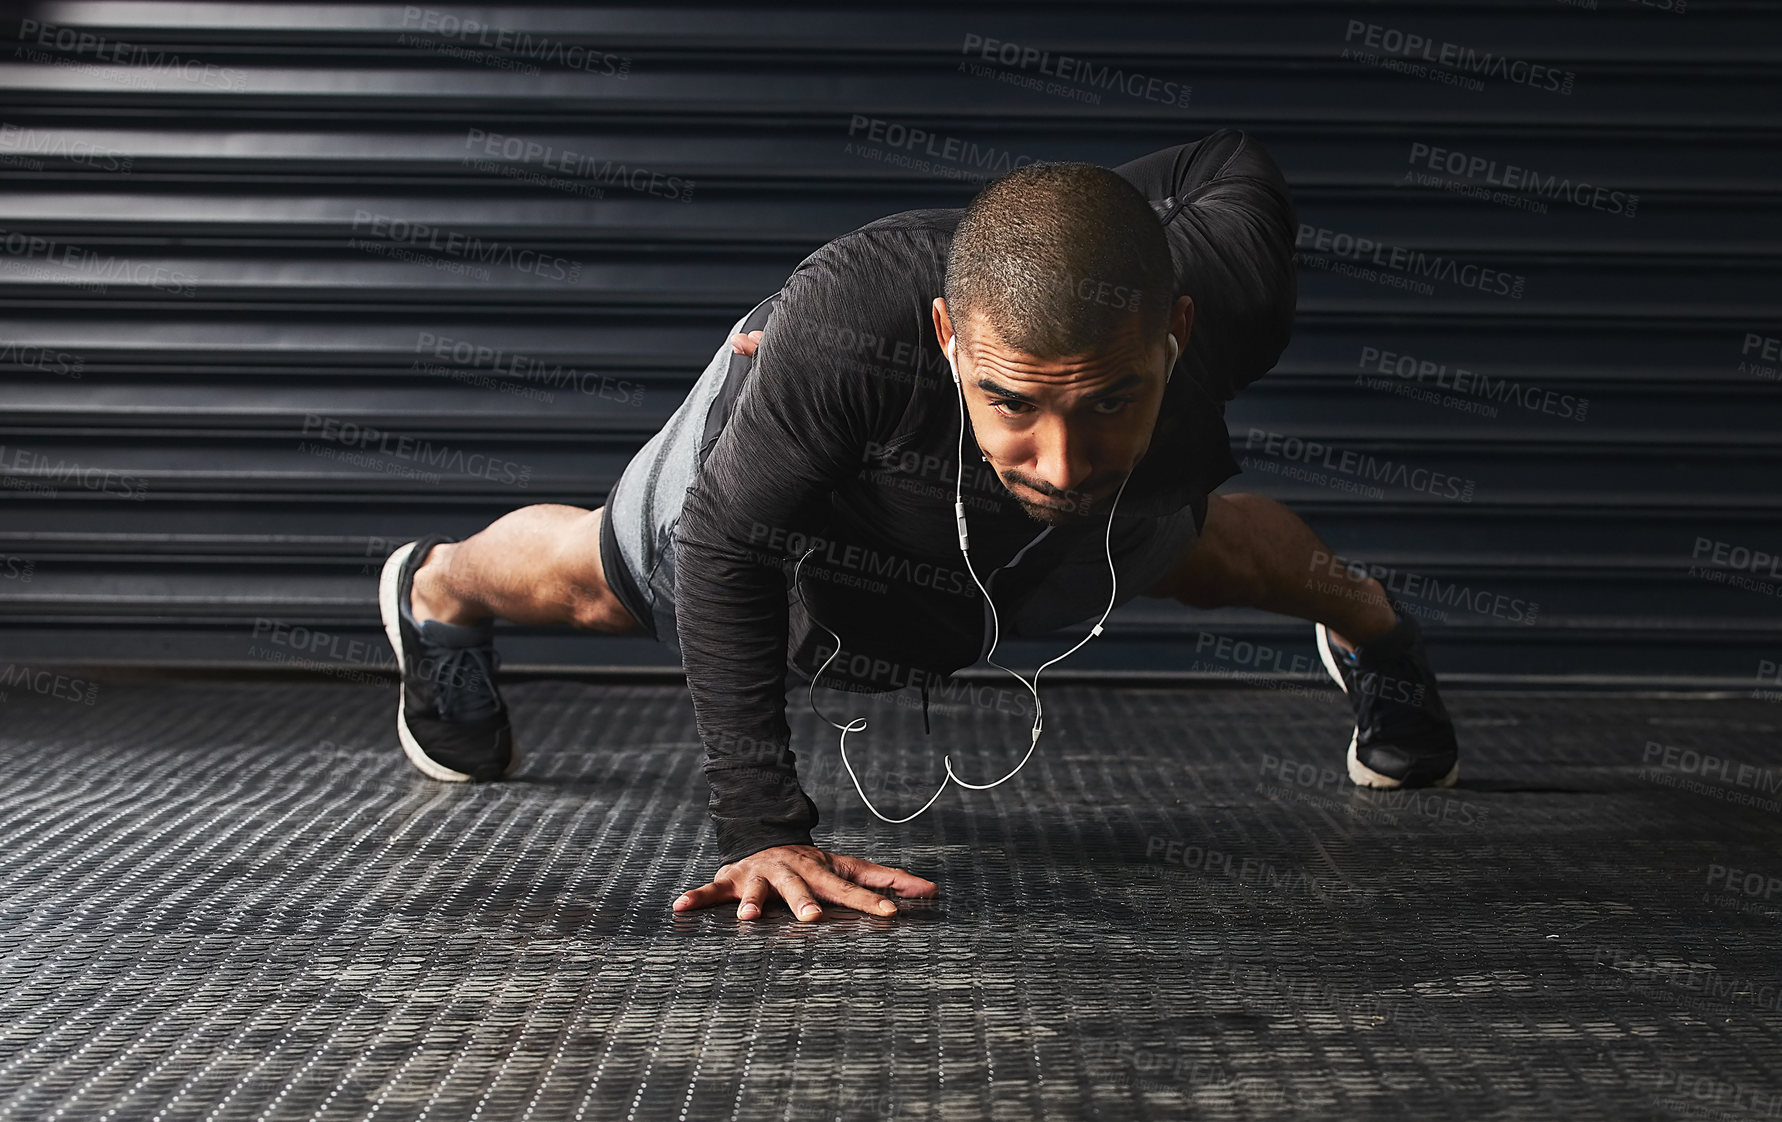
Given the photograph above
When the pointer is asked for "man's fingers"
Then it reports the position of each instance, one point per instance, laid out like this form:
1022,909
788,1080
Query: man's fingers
745,344
753,897
844,891
703,896
797,895
803,876
902,881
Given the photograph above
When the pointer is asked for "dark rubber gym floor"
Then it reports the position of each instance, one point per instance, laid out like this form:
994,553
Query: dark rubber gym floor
234,900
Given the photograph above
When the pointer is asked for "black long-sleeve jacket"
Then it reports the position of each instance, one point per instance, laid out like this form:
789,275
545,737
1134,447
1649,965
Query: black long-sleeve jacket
843,435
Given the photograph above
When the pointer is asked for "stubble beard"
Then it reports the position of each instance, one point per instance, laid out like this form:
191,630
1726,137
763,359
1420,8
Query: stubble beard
1077,510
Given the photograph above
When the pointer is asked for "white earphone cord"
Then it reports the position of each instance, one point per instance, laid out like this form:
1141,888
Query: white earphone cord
858,724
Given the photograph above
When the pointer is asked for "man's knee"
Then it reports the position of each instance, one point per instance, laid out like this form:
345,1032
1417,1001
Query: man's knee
597,609
580,583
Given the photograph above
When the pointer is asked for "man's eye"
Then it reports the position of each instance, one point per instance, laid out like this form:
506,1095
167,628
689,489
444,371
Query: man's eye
1016,406
1117,403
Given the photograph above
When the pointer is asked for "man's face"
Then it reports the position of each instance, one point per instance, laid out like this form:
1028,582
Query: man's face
1063,433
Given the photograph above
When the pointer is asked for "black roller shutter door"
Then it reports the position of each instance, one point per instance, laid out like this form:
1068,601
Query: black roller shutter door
286,285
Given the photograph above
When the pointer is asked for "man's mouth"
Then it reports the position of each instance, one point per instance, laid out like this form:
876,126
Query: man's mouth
1060,506
1071,502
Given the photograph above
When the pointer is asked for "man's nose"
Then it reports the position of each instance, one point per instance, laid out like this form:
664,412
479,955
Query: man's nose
1062,459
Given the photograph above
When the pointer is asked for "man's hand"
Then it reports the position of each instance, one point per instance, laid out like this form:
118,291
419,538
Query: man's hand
800,874
745,344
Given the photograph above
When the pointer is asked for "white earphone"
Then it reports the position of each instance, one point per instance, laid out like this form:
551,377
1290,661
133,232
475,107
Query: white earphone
859,723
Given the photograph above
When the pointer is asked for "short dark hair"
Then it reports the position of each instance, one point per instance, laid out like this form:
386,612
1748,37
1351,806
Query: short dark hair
1057,258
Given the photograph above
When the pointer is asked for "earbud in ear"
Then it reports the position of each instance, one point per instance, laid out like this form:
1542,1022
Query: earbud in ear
953,361
1174,349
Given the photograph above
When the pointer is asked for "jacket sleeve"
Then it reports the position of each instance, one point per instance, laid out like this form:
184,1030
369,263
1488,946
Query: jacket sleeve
1231,224
799,427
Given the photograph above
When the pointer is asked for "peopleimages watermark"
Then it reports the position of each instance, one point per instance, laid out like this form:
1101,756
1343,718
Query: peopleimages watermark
31,471
459,37
1713,1098
916,148
886,678
412,237
1213,862
1161,1068
1736,566
1075,78
476,364
1419,595
1769,349
1304,782
363,440
26,145
25,356
1675,7
1744,891
1769,673
100,269
531,161
1449,63
1258,657
827,775
1091,289
1699,986
1511,177
845,559
1743,882
1346,469
17,568
871,673
1420,378
45,683
1407,268
1259,664
1671,765
300,647
912,471
1311,990
145,66
895,360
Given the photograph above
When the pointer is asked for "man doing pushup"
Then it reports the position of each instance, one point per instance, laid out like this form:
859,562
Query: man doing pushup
1090,324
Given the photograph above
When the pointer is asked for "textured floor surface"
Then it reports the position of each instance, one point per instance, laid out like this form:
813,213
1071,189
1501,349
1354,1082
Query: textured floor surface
234,901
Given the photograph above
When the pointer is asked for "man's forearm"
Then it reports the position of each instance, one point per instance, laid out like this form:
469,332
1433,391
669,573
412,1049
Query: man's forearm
732,619
797,430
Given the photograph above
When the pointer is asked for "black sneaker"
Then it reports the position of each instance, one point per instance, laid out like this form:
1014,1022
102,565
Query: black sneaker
450,719
1403,735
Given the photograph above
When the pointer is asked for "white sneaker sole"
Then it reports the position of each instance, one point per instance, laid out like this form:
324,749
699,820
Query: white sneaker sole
388,585
1359,773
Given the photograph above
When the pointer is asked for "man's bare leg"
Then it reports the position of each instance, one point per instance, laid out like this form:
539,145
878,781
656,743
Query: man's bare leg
537,565
1255,553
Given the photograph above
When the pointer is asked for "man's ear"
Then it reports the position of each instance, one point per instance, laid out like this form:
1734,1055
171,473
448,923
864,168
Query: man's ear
943,323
